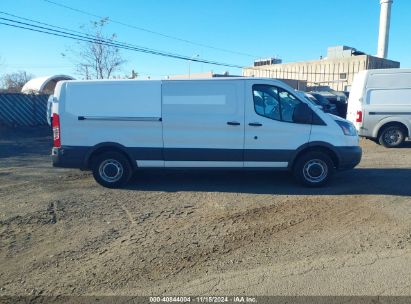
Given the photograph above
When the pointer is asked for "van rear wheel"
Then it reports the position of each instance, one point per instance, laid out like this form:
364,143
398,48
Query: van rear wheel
392,137
313,169
111,169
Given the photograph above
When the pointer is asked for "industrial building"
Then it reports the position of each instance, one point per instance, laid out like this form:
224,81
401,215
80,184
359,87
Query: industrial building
204,75
337,70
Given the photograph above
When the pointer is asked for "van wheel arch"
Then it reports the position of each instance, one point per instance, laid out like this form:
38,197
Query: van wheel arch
393,124
111,169
401,126
314,168
109,148
321,149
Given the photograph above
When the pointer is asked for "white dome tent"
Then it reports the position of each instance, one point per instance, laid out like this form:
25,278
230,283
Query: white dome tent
43,85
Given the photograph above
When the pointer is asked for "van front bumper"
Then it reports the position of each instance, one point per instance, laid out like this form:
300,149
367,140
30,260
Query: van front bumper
69,157
349,157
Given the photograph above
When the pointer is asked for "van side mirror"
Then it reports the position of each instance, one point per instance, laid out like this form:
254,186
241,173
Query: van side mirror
303,114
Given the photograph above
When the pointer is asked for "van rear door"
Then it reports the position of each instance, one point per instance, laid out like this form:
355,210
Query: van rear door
49,109
355,110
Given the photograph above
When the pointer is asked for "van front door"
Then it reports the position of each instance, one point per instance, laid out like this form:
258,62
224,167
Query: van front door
271,135
203,123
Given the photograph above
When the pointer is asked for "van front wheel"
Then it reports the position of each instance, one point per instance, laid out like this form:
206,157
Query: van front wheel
313,169
111,169
392,137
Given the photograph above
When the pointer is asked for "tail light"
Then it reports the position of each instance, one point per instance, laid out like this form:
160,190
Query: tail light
359,116
56,131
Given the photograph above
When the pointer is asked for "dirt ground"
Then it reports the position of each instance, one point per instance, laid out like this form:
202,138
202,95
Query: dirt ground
202,232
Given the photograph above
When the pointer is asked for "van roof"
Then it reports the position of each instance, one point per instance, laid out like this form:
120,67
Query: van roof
216,79
387,71
225,78
172,80
274,81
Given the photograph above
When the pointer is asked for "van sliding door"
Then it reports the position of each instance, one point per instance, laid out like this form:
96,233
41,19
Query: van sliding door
203,123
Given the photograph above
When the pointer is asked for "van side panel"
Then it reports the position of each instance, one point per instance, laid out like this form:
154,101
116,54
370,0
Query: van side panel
389,80
127,113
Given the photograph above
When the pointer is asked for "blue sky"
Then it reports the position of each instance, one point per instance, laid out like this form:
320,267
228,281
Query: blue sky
294,30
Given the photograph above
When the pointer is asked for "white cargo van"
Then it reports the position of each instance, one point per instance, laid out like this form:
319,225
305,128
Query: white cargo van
114,127
380,105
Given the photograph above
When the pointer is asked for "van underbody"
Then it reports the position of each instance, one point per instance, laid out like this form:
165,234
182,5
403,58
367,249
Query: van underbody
81,157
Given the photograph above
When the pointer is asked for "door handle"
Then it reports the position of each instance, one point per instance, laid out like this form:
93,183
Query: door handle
255,124
233,123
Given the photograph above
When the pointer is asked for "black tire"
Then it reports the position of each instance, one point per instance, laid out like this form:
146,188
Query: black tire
392,137
111,169
313,169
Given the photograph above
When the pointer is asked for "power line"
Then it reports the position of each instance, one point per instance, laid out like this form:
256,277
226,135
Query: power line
67,33
65,30
150,31
42,23
51,31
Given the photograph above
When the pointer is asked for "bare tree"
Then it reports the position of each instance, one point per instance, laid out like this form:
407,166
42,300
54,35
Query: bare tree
97,59
14,82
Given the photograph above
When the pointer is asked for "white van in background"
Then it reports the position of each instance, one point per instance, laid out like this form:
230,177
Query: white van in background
114,127
380,105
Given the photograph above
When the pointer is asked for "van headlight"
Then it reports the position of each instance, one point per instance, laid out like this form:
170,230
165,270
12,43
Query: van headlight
347,127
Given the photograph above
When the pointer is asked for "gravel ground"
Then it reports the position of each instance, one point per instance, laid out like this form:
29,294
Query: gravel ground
202,232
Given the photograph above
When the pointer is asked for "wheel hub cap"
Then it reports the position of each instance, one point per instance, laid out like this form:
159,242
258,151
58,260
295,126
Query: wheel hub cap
392,137
111,170
315,170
